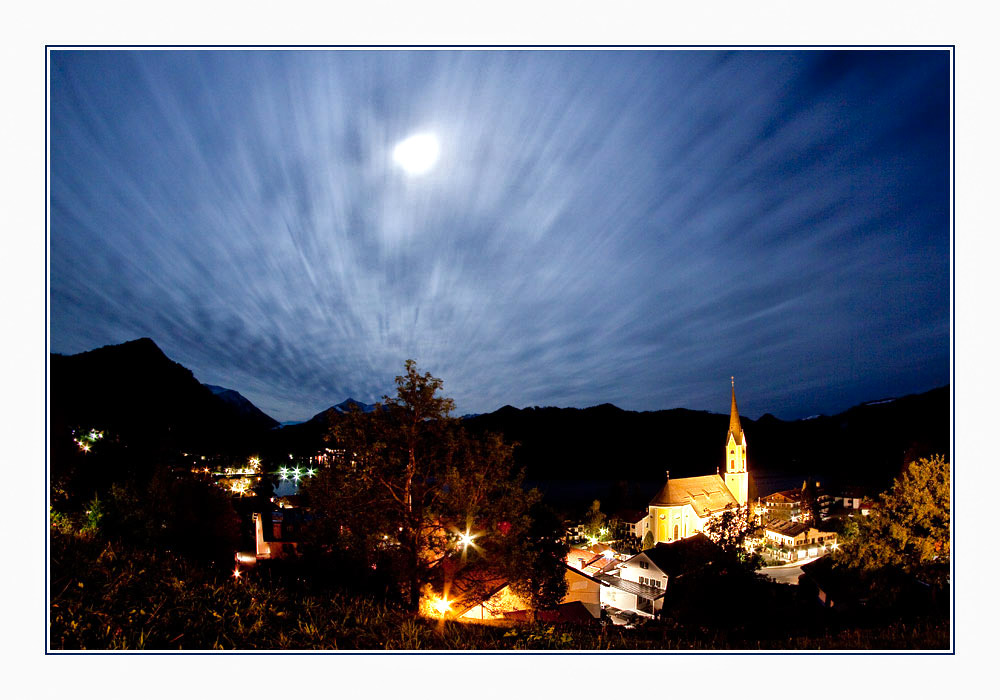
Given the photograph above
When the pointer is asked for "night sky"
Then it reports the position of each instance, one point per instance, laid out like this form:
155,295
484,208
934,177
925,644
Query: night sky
629,227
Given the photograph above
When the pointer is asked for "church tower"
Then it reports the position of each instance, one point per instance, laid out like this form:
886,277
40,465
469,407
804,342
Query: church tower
736,454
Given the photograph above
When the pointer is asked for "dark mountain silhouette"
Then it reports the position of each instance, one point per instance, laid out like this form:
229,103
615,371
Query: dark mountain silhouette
250,413
147,401
349,404
866,445
309,437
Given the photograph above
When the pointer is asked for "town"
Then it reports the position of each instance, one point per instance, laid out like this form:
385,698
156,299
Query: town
436,521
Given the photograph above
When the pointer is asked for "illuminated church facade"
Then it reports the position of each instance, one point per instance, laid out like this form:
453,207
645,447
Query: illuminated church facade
683,507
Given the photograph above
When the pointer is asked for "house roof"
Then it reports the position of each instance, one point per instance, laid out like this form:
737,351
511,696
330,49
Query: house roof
574,611
577,572
470,586
706,494
639,589
786,527
682,556
598,562
789,496
841,585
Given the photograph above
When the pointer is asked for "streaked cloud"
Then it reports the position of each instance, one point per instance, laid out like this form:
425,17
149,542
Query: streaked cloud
631,227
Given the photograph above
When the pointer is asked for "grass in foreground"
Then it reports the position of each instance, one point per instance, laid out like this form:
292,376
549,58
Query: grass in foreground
110,596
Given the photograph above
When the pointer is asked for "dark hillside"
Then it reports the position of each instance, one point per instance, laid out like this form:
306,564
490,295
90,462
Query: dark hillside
866,445
148,401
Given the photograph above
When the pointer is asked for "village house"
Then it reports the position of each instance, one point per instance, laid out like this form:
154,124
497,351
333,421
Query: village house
630,526
853,500
790,541
481,595
639,584
782,505
277,533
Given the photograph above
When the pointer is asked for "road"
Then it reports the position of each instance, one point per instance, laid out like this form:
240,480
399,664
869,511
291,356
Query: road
788,573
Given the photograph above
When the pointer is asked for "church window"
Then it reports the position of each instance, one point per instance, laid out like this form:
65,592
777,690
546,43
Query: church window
676,532
732,464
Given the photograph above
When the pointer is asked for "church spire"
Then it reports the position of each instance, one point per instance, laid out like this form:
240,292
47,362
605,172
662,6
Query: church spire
734,418
737,479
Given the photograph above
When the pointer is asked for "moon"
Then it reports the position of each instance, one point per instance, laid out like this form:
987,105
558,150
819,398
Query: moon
417,154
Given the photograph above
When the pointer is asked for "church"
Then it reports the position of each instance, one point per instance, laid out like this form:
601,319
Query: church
683,506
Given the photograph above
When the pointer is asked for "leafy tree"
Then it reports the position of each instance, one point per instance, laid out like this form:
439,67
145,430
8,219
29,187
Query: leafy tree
909,528
594,520
647,541
730,530
412,483
536,570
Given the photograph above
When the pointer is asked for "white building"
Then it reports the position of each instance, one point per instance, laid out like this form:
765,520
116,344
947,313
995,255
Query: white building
640,583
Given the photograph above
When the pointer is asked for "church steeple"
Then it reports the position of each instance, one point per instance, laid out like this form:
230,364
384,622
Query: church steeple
734,418
736,453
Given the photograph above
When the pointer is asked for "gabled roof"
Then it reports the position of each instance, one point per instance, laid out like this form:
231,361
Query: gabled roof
581,559
574,612
575,571
682,556
706,494
789,496
786,527
639,589
470,586
734,421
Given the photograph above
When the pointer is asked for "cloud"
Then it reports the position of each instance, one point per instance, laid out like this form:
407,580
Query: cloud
630,227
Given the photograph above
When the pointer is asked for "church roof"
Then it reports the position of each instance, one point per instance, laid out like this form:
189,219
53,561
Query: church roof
734,421
706,494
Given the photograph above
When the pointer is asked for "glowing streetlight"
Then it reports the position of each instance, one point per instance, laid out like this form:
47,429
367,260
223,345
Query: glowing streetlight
237,573
442,605
465,540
